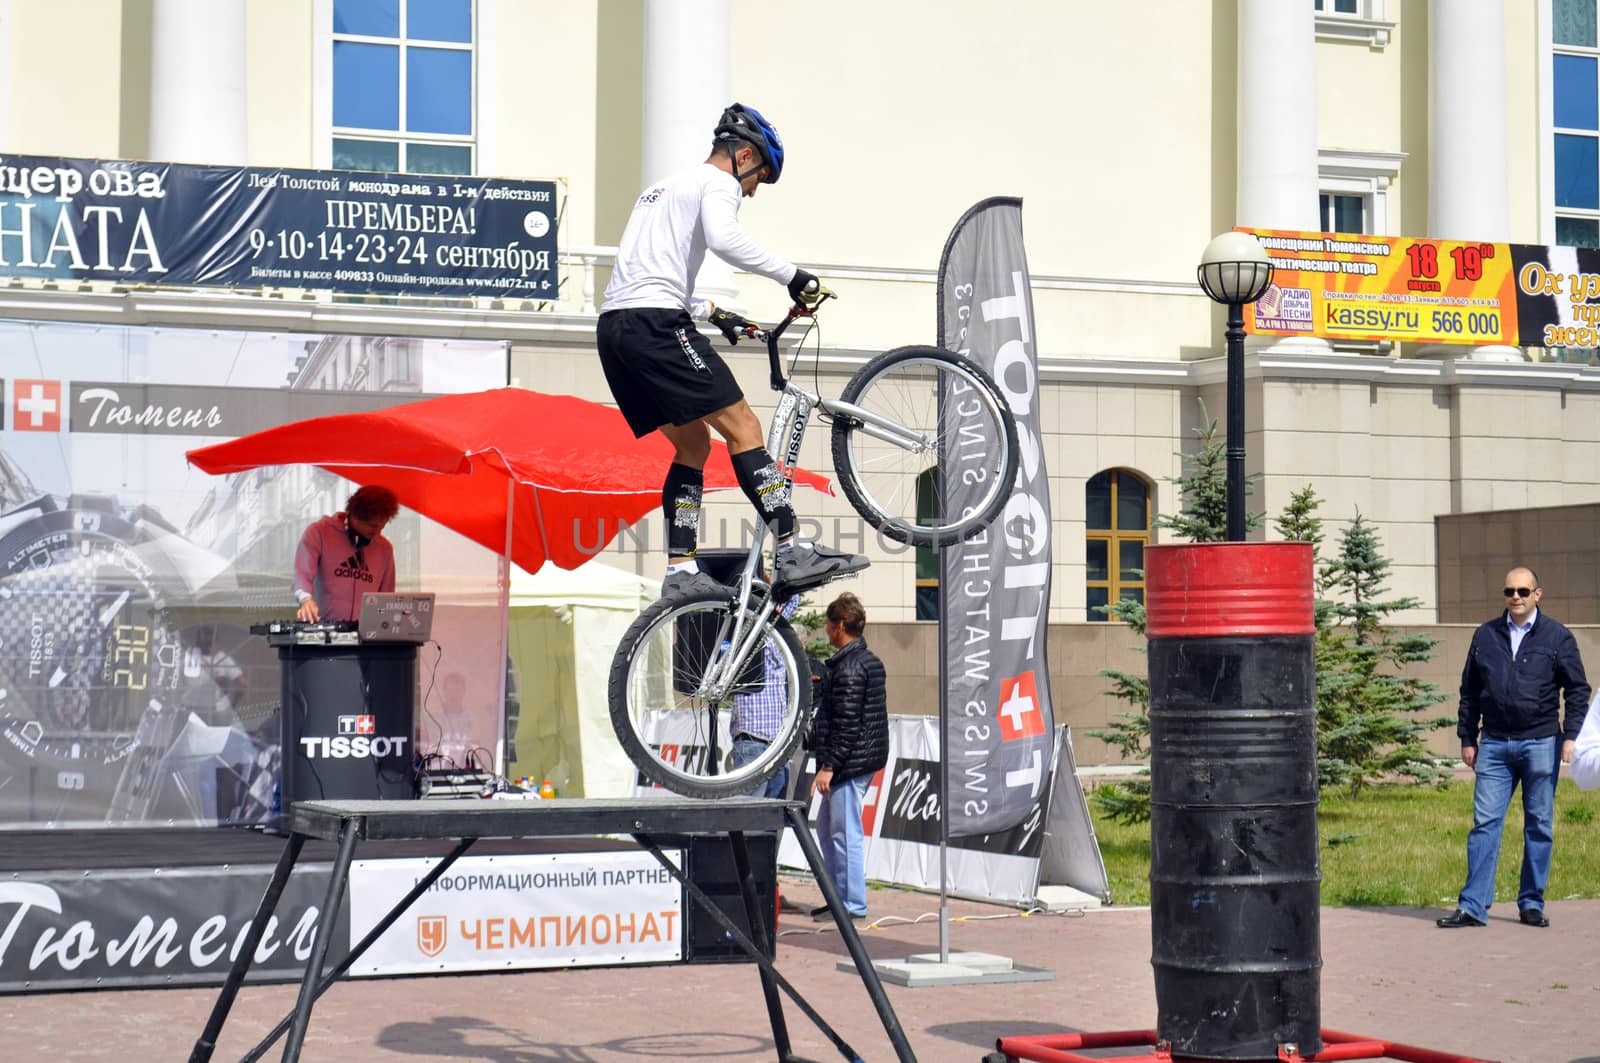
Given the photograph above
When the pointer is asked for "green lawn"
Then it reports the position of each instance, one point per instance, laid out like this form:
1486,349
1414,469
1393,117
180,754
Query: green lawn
1401,845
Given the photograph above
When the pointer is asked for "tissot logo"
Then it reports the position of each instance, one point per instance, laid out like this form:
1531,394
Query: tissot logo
36,405
357,725
343,748
432,934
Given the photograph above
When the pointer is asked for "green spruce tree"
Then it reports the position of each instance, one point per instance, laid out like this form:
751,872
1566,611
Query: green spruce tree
1370,722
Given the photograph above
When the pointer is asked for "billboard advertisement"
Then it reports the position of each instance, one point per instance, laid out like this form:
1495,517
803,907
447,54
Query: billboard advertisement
519,911
173,225
131,689
1409,289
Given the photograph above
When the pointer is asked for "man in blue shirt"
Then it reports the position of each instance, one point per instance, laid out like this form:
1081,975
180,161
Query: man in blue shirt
1520,668
758,716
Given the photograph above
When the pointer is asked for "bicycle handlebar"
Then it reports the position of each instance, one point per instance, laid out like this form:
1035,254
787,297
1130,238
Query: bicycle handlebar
771,335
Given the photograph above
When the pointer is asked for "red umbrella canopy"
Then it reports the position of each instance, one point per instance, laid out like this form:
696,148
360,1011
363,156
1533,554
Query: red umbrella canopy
579,474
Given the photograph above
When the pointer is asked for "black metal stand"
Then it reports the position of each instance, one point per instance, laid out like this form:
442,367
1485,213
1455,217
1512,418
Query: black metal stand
353,821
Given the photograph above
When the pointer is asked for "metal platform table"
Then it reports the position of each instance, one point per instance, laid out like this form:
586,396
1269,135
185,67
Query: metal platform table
350,822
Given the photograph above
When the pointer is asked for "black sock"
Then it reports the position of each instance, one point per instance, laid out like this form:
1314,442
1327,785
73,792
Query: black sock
766,489
680,504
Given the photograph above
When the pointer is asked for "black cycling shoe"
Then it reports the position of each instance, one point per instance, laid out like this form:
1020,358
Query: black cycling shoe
682,584
808,565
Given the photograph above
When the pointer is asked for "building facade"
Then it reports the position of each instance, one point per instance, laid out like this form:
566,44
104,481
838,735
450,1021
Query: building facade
1133,135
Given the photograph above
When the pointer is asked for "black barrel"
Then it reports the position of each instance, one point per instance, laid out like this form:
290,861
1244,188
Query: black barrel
1234,872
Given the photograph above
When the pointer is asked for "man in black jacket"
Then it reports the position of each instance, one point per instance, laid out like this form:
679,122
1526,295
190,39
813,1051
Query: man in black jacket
1520,668
851,742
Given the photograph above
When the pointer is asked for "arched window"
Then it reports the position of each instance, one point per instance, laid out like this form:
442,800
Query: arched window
1118,530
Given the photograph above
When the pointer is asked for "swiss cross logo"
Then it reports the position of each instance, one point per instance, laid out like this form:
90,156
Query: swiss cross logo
36,405
1019,708
432,934
870,802
357,725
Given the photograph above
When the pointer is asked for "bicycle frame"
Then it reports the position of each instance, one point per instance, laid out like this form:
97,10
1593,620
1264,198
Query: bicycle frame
784,437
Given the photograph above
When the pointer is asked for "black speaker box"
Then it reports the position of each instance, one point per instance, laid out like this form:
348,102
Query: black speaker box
711,867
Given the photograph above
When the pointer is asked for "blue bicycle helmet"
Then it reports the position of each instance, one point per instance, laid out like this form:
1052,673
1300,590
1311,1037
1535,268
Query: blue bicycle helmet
739,122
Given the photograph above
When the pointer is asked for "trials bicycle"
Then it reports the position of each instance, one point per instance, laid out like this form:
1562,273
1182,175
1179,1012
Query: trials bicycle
925,447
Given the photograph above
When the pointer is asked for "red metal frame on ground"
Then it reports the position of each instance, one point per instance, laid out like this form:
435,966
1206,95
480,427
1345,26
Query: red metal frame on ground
1336,1045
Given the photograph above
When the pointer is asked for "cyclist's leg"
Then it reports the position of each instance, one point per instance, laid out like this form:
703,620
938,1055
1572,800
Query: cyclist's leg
798,563
680,494
754,468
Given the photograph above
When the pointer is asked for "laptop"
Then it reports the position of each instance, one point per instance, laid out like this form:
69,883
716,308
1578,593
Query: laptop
396,618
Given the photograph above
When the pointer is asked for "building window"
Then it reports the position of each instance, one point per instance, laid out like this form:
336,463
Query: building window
1353,20
1353,190
1118,530
1342,214
403,86
1575,99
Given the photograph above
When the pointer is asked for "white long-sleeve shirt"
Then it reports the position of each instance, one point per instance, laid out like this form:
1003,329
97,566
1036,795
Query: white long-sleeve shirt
1586,754
673,224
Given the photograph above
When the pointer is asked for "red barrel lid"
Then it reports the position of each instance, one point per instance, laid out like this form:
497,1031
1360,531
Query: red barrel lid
1206,590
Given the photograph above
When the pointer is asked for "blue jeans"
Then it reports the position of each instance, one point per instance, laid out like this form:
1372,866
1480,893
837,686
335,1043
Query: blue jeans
1501,765
843,850
747,749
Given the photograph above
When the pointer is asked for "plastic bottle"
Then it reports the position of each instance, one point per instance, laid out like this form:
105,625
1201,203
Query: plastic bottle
547,789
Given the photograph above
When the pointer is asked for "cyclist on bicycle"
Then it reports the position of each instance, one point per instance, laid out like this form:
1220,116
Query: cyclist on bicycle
665,375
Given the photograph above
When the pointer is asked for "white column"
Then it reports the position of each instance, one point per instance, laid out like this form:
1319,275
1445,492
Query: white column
686,60
1277,130
197,85
1468,196
1277,109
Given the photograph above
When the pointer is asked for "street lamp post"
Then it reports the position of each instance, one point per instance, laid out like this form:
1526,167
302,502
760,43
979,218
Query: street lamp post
1235,270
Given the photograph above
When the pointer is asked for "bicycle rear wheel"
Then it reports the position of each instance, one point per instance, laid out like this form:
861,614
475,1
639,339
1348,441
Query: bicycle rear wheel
677,736
947,481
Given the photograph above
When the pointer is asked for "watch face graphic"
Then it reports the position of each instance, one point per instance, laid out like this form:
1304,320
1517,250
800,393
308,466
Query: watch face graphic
87,645
86,651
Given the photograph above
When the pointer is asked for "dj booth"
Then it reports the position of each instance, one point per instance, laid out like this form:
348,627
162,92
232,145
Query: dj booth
349,701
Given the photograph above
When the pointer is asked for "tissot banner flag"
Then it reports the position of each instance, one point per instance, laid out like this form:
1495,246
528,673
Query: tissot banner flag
994,589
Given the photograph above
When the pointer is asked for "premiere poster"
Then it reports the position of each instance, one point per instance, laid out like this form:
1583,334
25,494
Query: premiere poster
131,689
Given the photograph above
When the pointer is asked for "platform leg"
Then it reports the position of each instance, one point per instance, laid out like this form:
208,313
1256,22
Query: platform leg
349,830
731,928
207,1042
847,931
758,932
355,954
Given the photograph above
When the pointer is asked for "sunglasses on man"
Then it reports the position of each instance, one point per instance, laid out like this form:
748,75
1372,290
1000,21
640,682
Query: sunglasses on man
1520,592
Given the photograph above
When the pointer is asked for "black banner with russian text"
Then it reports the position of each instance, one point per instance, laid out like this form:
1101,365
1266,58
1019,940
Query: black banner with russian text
175,225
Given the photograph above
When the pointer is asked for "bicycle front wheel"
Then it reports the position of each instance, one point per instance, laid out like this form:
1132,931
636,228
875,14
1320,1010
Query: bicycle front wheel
932,457
674,732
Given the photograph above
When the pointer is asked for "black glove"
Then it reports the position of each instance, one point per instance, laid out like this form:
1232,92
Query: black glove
731,324
805,288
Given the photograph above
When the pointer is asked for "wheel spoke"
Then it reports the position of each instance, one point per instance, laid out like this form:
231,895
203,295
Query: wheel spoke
676,735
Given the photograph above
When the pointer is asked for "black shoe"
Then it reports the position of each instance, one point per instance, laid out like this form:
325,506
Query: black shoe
1533,917
1457,919
683,584
806,564
824,914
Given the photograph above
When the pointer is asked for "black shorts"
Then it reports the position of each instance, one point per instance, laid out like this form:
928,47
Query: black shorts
661,369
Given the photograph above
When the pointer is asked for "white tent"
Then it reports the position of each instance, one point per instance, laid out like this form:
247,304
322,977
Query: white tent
563,631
